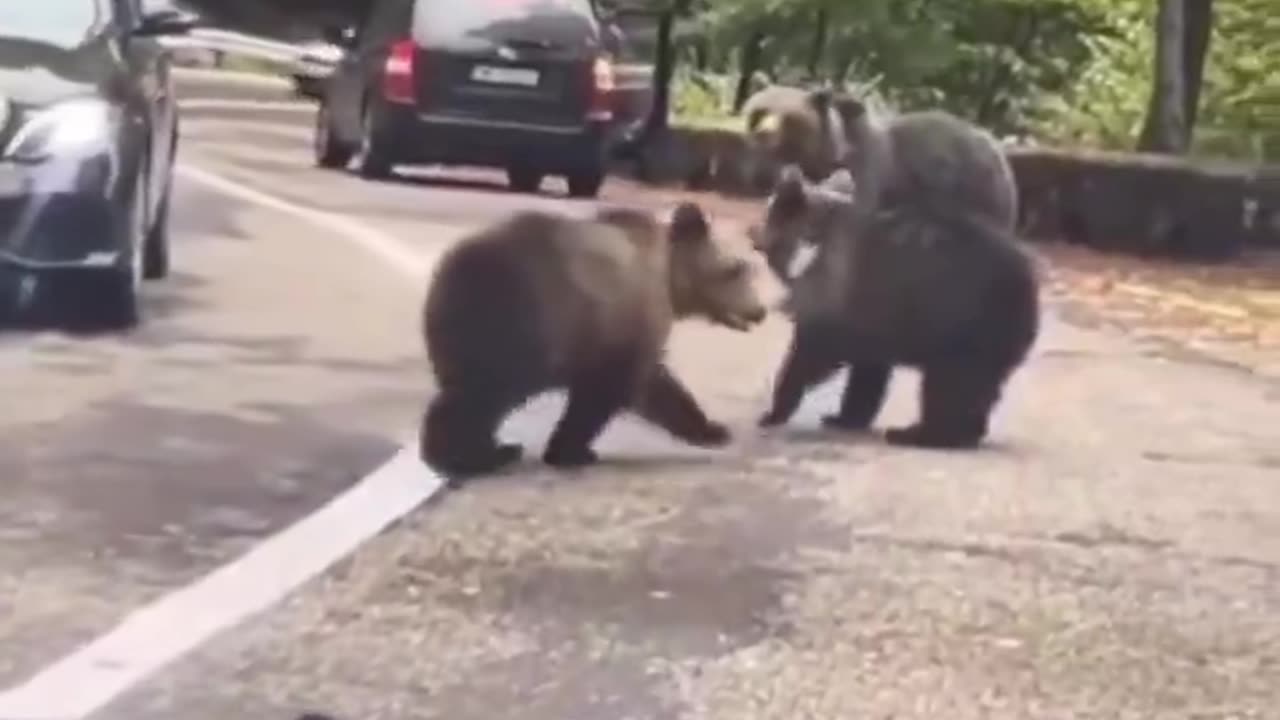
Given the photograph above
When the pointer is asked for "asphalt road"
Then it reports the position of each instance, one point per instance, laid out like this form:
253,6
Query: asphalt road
1115,552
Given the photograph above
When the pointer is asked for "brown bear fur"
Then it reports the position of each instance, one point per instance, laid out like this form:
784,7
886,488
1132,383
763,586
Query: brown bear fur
925,157
951,294
539,301
794,126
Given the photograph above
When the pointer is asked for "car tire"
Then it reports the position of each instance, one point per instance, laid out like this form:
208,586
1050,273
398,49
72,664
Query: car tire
115,292
586,183
330,152
524,180
374,160
118,300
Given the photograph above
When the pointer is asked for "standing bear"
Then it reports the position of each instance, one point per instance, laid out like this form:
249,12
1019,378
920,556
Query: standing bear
953,294
930,158
540,301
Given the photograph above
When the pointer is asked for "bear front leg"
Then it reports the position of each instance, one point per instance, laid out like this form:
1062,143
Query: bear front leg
864,392
594,398
668,404
955,407
810,359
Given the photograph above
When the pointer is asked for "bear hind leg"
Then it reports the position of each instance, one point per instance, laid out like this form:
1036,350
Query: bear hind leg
594,398
863,396
955,409
459,437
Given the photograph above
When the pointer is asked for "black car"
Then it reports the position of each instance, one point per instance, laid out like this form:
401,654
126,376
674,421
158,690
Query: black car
522,85
88,132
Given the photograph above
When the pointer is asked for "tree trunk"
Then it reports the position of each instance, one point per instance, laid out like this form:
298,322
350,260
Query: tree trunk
1198,34
663,71
749,63
819,44
702,54
1165,129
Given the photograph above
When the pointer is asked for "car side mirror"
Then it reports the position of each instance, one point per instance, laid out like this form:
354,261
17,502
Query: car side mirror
165,22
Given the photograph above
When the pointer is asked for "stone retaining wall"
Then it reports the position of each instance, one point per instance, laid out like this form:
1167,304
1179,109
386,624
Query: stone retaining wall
1124,202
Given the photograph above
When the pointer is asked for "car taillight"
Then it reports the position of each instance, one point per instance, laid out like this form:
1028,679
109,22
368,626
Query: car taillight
600,106
398,73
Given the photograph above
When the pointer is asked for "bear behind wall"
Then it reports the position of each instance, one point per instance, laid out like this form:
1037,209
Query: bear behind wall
795,126
930,158
540,301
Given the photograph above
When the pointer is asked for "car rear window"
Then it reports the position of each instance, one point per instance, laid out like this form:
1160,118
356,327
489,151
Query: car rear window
58,22
452,20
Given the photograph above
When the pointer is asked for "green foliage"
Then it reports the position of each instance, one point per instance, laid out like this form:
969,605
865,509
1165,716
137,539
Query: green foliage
1066,71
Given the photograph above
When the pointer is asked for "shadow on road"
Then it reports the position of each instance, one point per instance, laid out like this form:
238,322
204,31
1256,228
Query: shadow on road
64,305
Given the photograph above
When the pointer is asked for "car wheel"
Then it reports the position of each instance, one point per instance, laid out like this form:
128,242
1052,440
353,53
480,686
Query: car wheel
523,179
115,291
374,161
586,183
330,152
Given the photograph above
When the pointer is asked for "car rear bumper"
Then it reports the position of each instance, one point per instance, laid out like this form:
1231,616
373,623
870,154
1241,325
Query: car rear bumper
60,215
434,138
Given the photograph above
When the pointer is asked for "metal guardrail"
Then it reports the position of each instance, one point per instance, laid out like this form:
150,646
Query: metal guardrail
229,41
634,80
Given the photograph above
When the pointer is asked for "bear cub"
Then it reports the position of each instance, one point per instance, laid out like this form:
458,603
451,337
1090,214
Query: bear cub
540,301
953,294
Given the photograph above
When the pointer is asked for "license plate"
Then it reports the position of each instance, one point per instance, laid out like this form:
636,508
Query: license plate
524,77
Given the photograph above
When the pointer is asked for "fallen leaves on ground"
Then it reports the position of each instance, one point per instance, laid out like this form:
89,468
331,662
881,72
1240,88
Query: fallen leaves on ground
1236,303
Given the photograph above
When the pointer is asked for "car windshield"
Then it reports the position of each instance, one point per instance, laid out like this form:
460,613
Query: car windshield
450,20
59,22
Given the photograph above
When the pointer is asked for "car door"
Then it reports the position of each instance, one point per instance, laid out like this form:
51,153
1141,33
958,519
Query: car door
362,61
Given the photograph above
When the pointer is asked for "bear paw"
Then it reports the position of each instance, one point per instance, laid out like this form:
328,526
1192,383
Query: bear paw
568,458
921,436
460,470
773,418
713,435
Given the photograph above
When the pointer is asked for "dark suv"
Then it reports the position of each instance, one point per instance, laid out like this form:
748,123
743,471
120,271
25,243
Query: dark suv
523,85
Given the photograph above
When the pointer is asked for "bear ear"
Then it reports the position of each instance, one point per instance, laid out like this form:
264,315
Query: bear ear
841,182
850,108
791,174
689,224
790,191
820,100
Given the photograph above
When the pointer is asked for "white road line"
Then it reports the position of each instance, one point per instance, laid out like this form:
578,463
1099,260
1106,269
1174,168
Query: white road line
159,633
394,253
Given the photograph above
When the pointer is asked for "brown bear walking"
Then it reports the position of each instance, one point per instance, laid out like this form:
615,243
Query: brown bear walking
950,293
540,301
